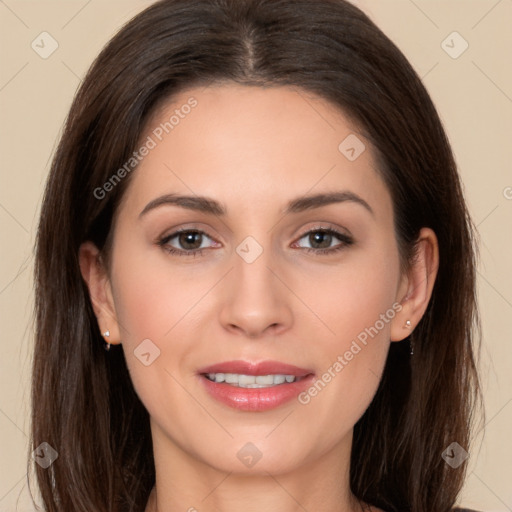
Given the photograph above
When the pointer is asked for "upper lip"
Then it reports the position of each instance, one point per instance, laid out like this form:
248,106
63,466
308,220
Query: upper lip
252,368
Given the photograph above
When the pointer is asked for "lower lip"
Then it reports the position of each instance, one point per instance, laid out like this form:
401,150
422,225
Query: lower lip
256,399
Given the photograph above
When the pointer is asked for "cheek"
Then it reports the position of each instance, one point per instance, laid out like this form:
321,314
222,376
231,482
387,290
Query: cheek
166,304
151,296
356,305
152,302
350,298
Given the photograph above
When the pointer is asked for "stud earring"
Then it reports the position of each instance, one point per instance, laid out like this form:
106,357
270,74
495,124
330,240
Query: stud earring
106,334
407,324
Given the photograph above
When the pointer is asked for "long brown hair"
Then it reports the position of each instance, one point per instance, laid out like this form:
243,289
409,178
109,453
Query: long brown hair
83,402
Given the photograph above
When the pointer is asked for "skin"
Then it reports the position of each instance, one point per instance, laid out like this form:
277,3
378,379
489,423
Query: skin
254,149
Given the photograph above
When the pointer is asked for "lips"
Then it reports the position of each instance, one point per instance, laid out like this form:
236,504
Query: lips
255,399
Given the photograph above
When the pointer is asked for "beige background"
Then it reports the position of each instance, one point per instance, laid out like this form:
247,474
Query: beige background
473,94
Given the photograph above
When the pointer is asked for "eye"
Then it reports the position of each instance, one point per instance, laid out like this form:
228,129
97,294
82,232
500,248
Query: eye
322,238
189,241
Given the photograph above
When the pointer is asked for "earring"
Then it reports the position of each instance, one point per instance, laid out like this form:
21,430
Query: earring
106,334
409,325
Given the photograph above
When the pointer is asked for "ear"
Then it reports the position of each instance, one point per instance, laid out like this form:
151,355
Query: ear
416,286
97,280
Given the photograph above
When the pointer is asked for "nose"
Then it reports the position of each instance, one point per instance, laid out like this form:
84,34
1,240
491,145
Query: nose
255,301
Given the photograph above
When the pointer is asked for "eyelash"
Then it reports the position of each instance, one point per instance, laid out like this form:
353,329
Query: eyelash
345,239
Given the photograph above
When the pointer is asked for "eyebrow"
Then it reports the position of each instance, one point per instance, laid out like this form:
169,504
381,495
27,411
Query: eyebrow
212,206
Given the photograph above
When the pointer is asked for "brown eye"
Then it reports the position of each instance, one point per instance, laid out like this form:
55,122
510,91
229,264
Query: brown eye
186,242
322,238
190,240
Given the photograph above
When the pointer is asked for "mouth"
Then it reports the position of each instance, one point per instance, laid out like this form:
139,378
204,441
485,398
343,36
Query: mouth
255,386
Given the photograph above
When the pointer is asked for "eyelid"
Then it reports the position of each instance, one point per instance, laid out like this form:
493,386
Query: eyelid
327,226
173,231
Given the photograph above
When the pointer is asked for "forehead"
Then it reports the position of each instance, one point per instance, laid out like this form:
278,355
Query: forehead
252,145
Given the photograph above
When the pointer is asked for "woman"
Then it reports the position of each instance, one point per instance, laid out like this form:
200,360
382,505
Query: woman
208,143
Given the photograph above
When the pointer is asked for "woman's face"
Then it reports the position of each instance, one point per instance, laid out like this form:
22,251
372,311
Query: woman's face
262,290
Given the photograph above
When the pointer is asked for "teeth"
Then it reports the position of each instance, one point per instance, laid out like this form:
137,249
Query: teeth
245,380
264,379
251,381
